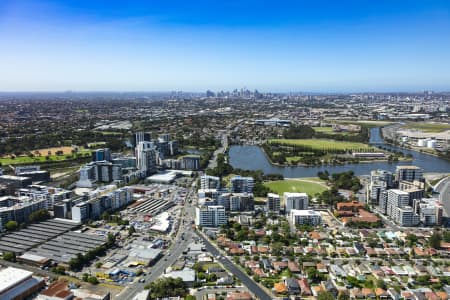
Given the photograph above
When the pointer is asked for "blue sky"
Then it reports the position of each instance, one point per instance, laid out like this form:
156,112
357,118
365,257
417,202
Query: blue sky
317,46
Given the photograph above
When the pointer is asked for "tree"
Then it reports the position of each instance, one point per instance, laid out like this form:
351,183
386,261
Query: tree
380,284
131,230
343,296
11,225
446,236
39,216
201,276
92,280
9,256
325,296
435,240
167,287
59,270
111,240
412,239
314,275
105,216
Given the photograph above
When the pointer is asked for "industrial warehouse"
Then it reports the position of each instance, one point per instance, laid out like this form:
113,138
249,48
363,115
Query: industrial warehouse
64,247
51,240
33,235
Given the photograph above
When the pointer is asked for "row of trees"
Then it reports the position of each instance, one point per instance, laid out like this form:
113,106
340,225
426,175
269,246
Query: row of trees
80,260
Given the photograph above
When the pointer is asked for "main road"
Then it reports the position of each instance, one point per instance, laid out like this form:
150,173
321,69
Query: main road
224,146
180,243
244,278
176,250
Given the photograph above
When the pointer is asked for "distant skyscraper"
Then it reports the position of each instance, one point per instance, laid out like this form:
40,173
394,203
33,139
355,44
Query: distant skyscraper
210,94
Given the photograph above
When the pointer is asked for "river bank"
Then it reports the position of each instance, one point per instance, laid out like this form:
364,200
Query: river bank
253,158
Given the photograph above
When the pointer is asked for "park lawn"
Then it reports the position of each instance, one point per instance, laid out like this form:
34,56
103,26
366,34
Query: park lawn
428,127
322,144
295,186
30,160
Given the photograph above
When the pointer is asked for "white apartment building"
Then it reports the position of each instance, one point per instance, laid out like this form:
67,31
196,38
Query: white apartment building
209,182
295,201
405,216
396,198
273,203
210,216
305,217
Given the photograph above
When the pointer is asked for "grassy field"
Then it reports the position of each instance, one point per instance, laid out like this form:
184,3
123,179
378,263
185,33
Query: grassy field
367,123
329,130
428,127
320,144
290,159
296,185
323,129
19,160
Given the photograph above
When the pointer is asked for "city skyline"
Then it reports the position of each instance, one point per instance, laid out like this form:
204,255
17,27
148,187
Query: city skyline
351,46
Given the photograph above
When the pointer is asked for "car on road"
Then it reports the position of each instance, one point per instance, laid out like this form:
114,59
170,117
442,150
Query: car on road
142,280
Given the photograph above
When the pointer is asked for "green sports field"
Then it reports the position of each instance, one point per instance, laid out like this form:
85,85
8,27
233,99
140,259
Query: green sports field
296,186
321,144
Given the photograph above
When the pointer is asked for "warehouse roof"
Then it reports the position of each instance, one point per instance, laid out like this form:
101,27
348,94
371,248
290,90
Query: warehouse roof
10,276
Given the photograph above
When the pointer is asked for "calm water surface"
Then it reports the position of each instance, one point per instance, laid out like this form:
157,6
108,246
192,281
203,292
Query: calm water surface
253,158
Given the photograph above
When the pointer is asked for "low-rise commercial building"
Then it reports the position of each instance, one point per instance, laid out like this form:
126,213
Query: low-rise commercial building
305,217
18,284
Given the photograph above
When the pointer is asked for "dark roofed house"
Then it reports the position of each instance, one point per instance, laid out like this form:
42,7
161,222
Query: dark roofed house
292,286
330,287
267,265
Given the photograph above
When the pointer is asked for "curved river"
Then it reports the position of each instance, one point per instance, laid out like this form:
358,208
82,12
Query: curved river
253,158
